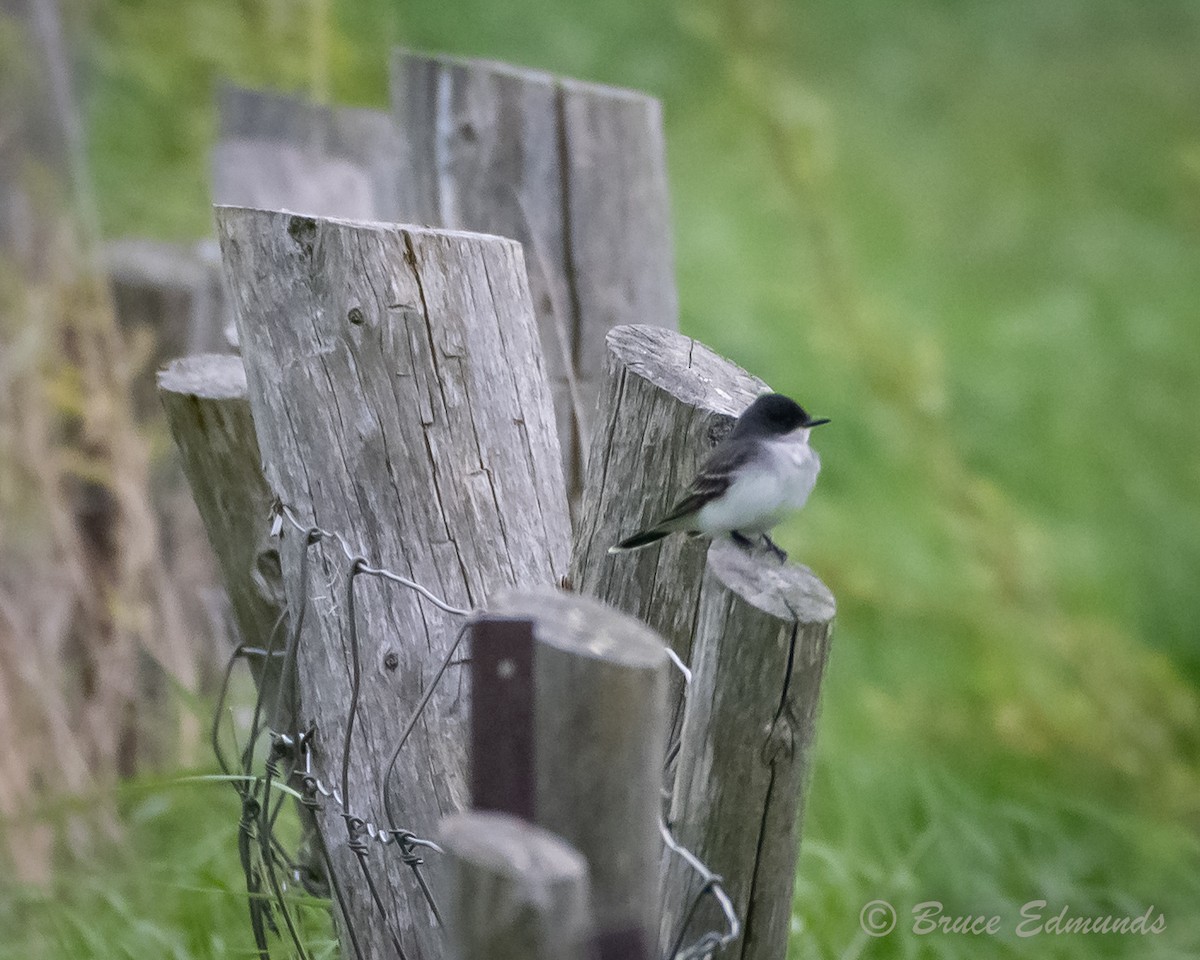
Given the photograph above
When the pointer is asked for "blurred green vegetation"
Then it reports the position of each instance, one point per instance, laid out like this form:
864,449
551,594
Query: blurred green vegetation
966,230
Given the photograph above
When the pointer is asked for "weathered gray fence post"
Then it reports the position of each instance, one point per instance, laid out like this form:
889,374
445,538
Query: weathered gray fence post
762,640
665,403
576,172
170,291
513,891
667,400
400,404
599,707
208,411
209,415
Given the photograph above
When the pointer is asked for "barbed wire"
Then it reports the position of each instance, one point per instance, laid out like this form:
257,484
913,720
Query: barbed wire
264,858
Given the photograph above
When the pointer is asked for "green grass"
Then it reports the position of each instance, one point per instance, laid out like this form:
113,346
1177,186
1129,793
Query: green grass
978,256
171,887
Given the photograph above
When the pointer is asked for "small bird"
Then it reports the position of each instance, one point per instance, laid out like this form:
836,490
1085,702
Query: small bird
763,470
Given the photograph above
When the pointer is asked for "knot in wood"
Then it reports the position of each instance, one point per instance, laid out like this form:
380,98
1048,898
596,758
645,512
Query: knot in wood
355,316
303,231
267,575
719,429
391,660
781,739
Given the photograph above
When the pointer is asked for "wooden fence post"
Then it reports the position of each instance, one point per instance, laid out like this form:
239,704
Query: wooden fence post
170,291
513,891
208,411
599,707
400,404
209,415
576,172
762,640
665,403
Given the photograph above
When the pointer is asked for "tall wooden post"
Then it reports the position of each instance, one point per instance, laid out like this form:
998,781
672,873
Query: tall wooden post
208,411
754,632
400,404
576,172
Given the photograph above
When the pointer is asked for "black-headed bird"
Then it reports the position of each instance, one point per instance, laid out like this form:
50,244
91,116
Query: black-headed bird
761,472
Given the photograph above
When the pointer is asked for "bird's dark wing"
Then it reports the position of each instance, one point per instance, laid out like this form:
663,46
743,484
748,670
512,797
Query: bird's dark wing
714,478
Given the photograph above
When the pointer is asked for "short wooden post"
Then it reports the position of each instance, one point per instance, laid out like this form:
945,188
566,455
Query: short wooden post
762,639
209,415
576,172
599,738
513,891
400,404
208,411
666,401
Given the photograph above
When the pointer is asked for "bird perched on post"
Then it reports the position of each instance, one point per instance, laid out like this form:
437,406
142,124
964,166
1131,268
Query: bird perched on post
762,471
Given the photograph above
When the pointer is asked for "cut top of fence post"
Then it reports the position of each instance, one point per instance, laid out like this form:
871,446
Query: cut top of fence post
789,592
575,171
211,376
583,626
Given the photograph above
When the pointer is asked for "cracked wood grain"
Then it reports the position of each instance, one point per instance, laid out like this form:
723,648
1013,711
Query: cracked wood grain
762,641
399,397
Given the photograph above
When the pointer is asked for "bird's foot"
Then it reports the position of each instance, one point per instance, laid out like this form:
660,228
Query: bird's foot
775,548
741,540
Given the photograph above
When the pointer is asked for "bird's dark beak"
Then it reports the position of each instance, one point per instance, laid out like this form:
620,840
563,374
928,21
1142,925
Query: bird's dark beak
810,423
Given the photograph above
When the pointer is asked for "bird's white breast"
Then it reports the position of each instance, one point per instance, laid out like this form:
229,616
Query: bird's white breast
761,497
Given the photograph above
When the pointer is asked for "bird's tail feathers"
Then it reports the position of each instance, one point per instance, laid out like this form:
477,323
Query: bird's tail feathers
641,539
